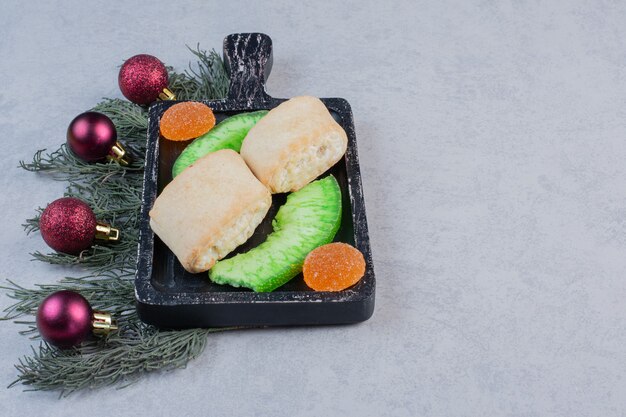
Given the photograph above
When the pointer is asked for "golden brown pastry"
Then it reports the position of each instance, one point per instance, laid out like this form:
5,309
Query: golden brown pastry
294,144
209,209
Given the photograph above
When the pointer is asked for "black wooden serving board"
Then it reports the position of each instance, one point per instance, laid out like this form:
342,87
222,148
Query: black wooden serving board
168,296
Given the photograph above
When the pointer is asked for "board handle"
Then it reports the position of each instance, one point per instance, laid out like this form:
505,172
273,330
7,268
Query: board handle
248,60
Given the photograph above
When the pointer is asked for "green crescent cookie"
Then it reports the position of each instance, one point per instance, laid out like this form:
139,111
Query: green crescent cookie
310,218
228,134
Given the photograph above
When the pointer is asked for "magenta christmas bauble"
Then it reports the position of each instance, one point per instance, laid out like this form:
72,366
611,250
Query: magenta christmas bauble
68,225
91,135
64,319
142,78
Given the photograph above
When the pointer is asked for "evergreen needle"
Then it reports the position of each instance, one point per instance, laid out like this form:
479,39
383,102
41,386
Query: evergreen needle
114,193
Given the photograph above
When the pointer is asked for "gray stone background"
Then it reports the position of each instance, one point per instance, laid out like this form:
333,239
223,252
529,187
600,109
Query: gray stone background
492,138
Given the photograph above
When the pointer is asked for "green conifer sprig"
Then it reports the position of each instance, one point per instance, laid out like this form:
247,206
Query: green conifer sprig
114,193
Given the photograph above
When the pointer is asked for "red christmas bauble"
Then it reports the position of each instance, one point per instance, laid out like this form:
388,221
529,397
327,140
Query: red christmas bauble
142,78
64,319
68,225
91,135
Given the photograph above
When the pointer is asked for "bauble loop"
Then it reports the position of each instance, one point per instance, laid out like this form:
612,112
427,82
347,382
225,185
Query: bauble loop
142,79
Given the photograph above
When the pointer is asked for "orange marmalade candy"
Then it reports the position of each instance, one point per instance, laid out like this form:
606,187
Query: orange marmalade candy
186,120
333,267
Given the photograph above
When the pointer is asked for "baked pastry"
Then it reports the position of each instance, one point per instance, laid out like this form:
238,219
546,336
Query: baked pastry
293,144
209,209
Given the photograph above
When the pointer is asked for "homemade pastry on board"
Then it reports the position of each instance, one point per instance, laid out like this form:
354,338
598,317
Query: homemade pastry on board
293,144
208,210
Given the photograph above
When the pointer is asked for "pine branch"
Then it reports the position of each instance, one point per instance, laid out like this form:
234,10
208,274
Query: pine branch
114,193
64,166
119,360
32,224
129,119
207,79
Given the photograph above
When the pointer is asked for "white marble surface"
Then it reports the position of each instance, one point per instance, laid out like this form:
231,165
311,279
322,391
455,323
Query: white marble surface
492,138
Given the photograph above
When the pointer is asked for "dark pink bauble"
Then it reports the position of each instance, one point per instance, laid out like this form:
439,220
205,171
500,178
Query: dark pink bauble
142,78
68,225
91,135
64,319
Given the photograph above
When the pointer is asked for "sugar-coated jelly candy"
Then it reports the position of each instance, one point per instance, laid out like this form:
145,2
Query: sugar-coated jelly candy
186,120
333,267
